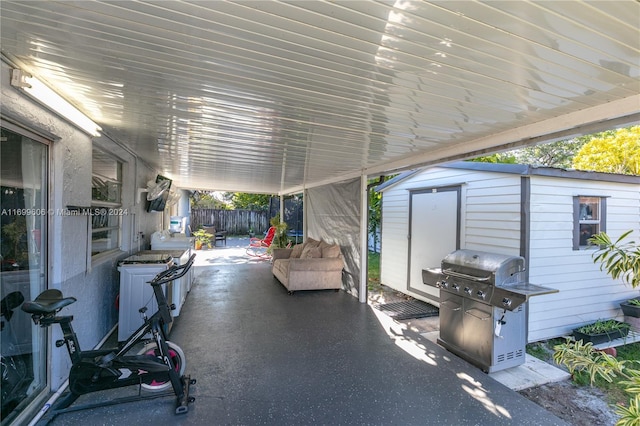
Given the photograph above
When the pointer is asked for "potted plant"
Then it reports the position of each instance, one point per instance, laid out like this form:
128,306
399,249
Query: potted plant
621,260
280,238
202,238
631,307
601,331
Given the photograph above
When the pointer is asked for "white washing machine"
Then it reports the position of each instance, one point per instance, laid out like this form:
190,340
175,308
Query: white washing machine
135,291
182,285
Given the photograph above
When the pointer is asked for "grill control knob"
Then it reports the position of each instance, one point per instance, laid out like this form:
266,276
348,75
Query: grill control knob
481,294
444,284
455,287
467,290
506,301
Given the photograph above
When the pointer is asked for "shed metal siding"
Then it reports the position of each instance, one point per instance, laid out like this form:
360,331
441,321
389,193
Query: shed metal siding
491,221
490,217
586,293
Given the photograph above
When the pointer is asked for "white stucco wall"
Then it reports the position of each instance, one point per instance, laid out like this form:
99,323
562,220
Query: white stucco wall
94,287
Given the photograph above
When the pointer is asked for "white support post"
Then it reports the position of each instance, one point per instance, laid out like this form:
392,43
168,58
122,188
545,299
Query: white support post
364,240
305,227
281,208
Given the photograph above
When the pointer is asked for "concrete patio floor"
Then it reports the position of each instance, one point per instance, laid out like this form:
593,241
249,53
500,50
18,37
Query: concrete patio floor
261,356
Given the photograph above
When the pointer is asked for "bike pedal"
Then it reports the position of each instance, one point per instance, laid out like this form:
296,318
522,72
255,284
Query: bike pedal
192,381
59,343
192,399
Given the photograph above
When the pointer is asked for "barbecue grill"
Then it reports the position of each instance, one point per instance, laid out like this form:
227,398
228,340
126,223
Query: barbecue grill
483,300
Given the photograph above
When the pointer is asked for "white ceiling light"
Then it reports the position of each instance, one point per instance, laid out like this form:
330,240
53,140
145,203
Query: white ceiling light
50,99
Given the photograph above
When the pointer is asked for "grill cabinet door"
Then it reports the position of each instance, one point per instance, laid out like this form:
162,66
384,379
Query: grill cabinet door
451,317
478,331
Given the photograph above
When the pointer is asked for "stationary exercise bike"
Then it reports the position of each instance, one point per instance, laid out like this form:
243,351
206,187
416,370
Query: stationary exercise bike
158,366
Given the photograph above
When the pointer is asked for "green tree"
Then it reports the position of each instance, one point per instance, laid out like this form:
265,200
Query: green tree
375,207
207,200
375,214
554,154
500,157
612,152
561,154
245,201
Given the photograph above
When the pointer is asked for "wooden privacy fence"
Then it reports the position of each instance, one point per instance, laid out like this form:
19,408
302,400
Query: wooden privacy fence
235,222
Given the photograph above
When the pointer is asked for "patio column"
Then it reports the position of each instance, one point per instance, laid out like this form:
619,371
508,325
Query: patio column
364,243
281,208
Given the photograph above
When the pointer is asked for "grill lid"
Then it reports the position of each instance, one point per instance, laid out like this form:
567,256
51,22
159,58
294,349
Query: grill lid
491,268
492,278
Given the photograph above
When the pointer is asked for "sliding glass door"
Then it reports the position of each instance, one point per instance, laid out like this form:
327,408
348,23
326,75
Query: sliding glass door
23,255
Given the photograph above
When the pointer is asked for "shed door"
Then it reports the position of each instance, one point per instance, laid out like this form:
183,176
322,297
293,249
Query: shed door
433,233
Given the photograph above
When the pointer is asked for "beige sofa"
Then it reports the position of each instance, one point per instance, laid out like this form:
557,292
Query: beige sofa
313,265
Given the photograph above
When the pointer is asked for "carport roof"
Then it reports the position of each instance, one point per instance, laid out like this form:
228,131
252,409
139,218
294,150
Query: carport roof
271,97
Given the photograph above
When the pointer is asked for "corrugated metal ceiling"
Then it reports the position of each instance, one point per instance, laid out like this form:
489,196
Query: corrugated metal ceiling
265,96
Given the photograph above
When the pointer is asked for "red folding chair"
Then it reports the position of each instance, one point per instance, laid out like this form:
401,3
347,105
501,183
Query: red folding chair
258,247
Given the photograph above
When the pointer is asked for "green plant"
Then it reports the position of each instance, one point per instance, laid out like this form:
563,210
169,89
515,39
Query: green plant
203,237
582,358
635,302
603,326
280,238
537,350
543,350
620,259
15,232
373,266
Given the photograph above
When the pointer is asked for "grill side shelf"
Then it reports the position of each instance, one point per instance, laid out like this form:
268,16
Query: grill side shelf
517,294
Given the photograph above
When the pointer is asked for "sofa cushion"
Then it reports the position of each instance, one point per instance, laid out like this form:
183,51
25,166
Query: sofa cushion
311,253
332,251
297,251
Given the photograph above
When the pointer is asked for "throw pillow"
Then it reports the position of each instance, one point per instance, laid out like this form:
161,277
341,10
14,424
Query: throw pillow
311,242
297,251
323,244
330,252
311,253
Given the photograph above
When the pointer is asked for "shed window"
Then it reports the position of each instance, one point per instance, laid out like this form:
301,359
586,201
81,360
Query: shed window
589,219
106,189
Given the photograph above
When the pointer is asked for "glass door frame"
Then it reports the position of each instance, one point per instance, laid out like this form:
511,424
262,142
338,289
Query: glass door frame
37,400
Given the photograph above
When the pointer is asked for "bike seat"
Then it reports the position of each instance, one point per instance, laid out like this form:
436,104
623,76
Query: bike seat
47,302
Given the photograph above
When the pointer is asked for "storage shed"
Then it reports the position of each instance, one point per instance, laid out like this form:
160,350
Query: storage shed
543,214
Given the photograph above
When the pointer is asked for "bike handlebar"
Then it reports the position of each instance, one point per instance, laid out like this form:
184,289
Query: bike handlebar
173,273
